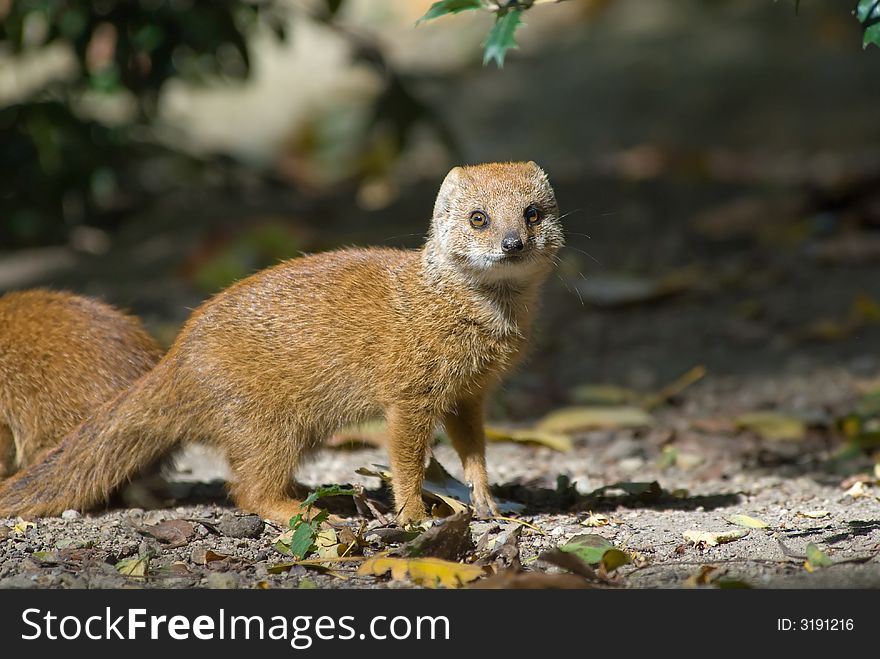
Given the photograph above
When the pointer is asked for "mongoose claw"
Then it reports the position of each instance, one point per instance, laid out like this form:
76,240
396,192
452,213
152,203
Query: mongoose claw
484,504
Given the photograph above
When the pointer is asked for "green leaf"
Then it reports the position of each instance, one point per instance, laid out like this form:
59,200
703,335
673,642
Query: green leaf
328,491
501,38
867,10
816,558
302,540
868,13
445,7
590,548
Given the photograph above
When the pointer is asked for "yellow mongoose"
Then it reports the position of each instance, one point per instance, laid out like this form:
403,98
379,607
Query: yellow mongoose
61,357
271,366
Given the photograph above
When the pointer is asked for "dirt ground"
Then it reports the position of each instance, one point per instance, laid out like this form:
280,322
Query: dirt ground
715,474
722,172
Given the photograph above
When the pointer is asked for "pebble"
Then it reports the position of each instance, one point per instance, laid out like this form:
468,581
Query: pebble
243,526
155,516
70,514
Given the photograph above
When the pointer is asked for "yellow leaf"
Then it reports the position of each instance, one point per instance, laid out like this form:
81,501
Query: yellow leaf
21,527
746,521
571,419
858,490
428,572
133,567
814,514
328,544
710,539
554,440
596,520
773,426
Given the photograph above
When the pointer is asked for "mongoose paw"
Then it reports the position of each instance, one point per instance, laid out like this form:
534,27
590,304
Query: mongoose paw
484,503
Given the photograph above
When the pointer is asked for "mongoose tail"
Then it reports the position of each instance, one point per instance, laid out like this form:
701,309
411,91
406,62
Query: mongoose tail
97,457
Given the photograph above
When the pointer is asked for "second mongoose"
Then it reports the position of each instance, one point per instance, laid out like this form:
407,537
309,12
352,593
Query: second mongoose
61,356
271,366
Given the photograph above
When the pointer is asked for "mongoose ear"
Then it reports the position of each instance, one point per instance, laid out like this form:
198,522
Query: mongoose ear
447,190
537,168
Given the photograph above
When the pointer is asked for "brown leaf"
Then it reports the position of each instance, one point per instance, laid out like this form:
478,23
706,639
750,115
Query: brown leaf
202,556
517,579
570,562
449,540
505,554
174,532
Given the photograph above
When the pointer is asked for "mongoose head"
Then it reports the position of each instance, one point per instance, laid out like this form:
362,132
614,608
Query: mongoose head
497,222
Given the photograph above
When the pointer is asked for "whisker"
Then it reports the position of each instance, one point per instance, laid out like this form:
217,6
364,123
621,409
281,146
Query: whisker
404,235
587,254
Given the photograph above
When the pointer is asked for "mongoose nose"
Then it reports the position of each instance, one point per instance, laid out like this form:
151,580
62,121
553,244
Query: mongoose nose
510,245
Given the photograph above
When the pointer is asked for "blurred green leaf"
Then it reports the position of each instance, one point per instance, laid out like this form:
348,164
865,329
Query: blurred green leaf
501,38
445,7
868,13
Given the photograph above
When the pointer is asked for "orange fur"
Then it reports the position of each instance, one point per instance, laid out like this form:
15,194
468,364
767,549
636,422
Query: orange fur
274,364
61,356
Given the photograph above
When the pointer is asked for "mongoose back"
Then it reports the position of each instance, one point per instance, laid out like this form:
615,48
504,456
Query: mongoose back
271,366
61,357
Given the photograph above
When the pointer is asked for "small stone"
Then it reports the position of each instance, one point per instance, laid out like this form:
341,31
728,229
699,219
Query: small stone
224,580
5,532
244,526
155,517
148,549
70,514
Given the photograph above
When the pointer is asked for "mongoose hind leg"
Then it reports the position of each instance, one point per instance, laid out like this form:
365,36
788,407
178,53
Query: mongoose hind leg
410,431
263,478
465,427
7,452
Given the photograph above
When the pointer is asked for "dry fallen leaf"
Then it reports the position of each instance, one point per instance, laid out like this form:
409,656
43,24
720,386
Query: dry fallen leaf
596,520
428,572
554,440
710,539
449,540
518,579
21,527
773,426
813,514
133,567
858,490
747,522
440,486
175,532
573,419
202,556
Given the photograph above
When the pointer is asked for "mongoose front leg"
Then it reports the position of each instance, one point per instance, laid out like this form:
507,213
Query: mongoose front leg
410,431
465,427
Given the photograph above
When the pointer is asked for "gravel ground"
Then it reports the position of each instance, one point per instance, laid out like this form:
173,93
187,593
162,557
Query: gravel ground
715,474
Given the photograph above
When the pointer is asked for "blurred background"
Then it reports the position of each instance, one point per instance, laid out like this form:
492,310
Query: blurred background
719,162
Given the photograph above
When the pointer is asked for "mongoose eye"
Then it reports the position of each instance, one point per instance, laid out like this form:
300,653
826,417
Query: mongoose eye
532,215
479,219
